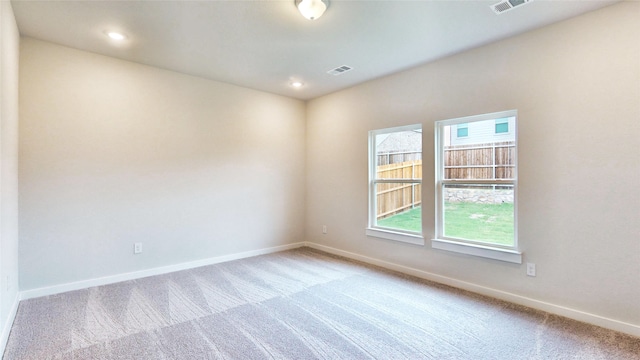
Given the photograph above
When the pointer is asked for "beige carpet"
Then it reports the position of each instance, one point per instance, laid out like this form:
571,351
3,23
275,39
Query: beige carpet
299,304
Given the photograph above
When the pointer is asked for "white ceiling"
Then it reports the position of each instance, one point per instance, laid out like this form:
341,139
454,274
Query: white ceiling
265,45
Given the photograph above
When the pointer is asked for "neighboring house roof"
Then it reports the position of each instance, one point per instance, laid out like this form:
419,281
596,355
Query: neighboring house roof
400,141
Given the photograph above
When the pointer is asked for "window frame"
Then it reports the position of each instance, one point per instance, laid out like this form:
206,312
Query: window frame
469,247
373,229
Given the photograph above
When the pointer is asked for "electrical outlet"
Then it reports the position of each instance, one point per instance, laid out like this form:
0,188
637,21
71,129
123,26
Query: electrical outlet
324,229
137,248
531,269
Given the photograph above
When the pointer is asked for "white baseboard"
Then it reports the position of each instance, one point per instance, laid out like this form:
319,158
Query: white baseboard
6,327
498,294
79,285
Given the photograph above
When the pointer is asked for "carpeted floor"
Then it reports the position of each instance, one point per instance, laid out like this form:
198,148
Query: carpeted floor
298,304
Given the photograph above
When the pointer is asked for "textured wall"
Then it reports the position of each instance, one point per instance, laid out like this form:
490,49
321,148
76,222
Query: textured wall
113,153
576,86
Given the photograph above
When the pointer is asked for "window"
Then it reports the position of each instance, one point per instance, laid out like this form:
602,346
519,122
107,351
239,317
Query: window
462,130
395,184
502,126
476,183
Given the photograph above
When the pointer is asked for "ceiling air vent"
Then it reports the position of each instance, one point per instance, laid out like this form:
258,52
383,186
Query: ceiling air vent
507,5
339,70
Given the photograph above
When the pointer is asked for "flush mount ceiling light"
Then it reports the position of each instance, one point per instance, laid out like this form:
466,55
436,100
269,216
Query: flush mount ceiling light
115,35
296,84
312,9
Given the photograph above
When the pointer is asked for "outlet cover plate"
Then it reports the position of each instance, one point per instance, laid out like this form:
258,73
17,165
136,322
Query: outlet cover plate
531,269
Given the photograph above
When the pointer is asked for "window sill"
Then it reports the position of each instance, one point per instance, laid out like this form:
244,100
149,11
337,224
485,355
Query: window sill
512,256
396,236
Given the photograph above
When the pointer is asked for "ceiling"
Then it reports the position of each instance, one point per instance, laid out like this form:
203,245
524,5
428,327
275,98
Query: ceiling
267,44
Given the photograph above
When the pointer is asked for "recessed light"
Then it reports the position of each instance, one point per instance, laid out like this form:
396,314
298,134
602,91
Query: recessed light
115,35
296,84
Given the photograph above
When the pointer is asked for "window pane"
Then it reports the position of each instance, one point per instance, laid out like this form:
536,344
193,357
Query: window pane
399,155
502,128
395,176
462,130
481,213
398,206
481,156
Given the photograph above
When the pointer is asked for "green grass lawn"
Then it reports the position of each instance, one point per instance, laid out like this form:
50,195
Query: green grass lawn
409,220
491,223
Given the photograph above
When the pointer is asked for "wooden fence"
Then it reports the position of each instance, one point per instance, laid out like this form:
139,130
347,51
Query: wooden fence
393,198
398,157
478,161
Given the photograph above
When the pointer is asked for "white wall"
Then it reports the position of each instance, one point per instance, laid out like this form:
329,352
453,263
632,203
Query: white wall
576,86
113,153
9,50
